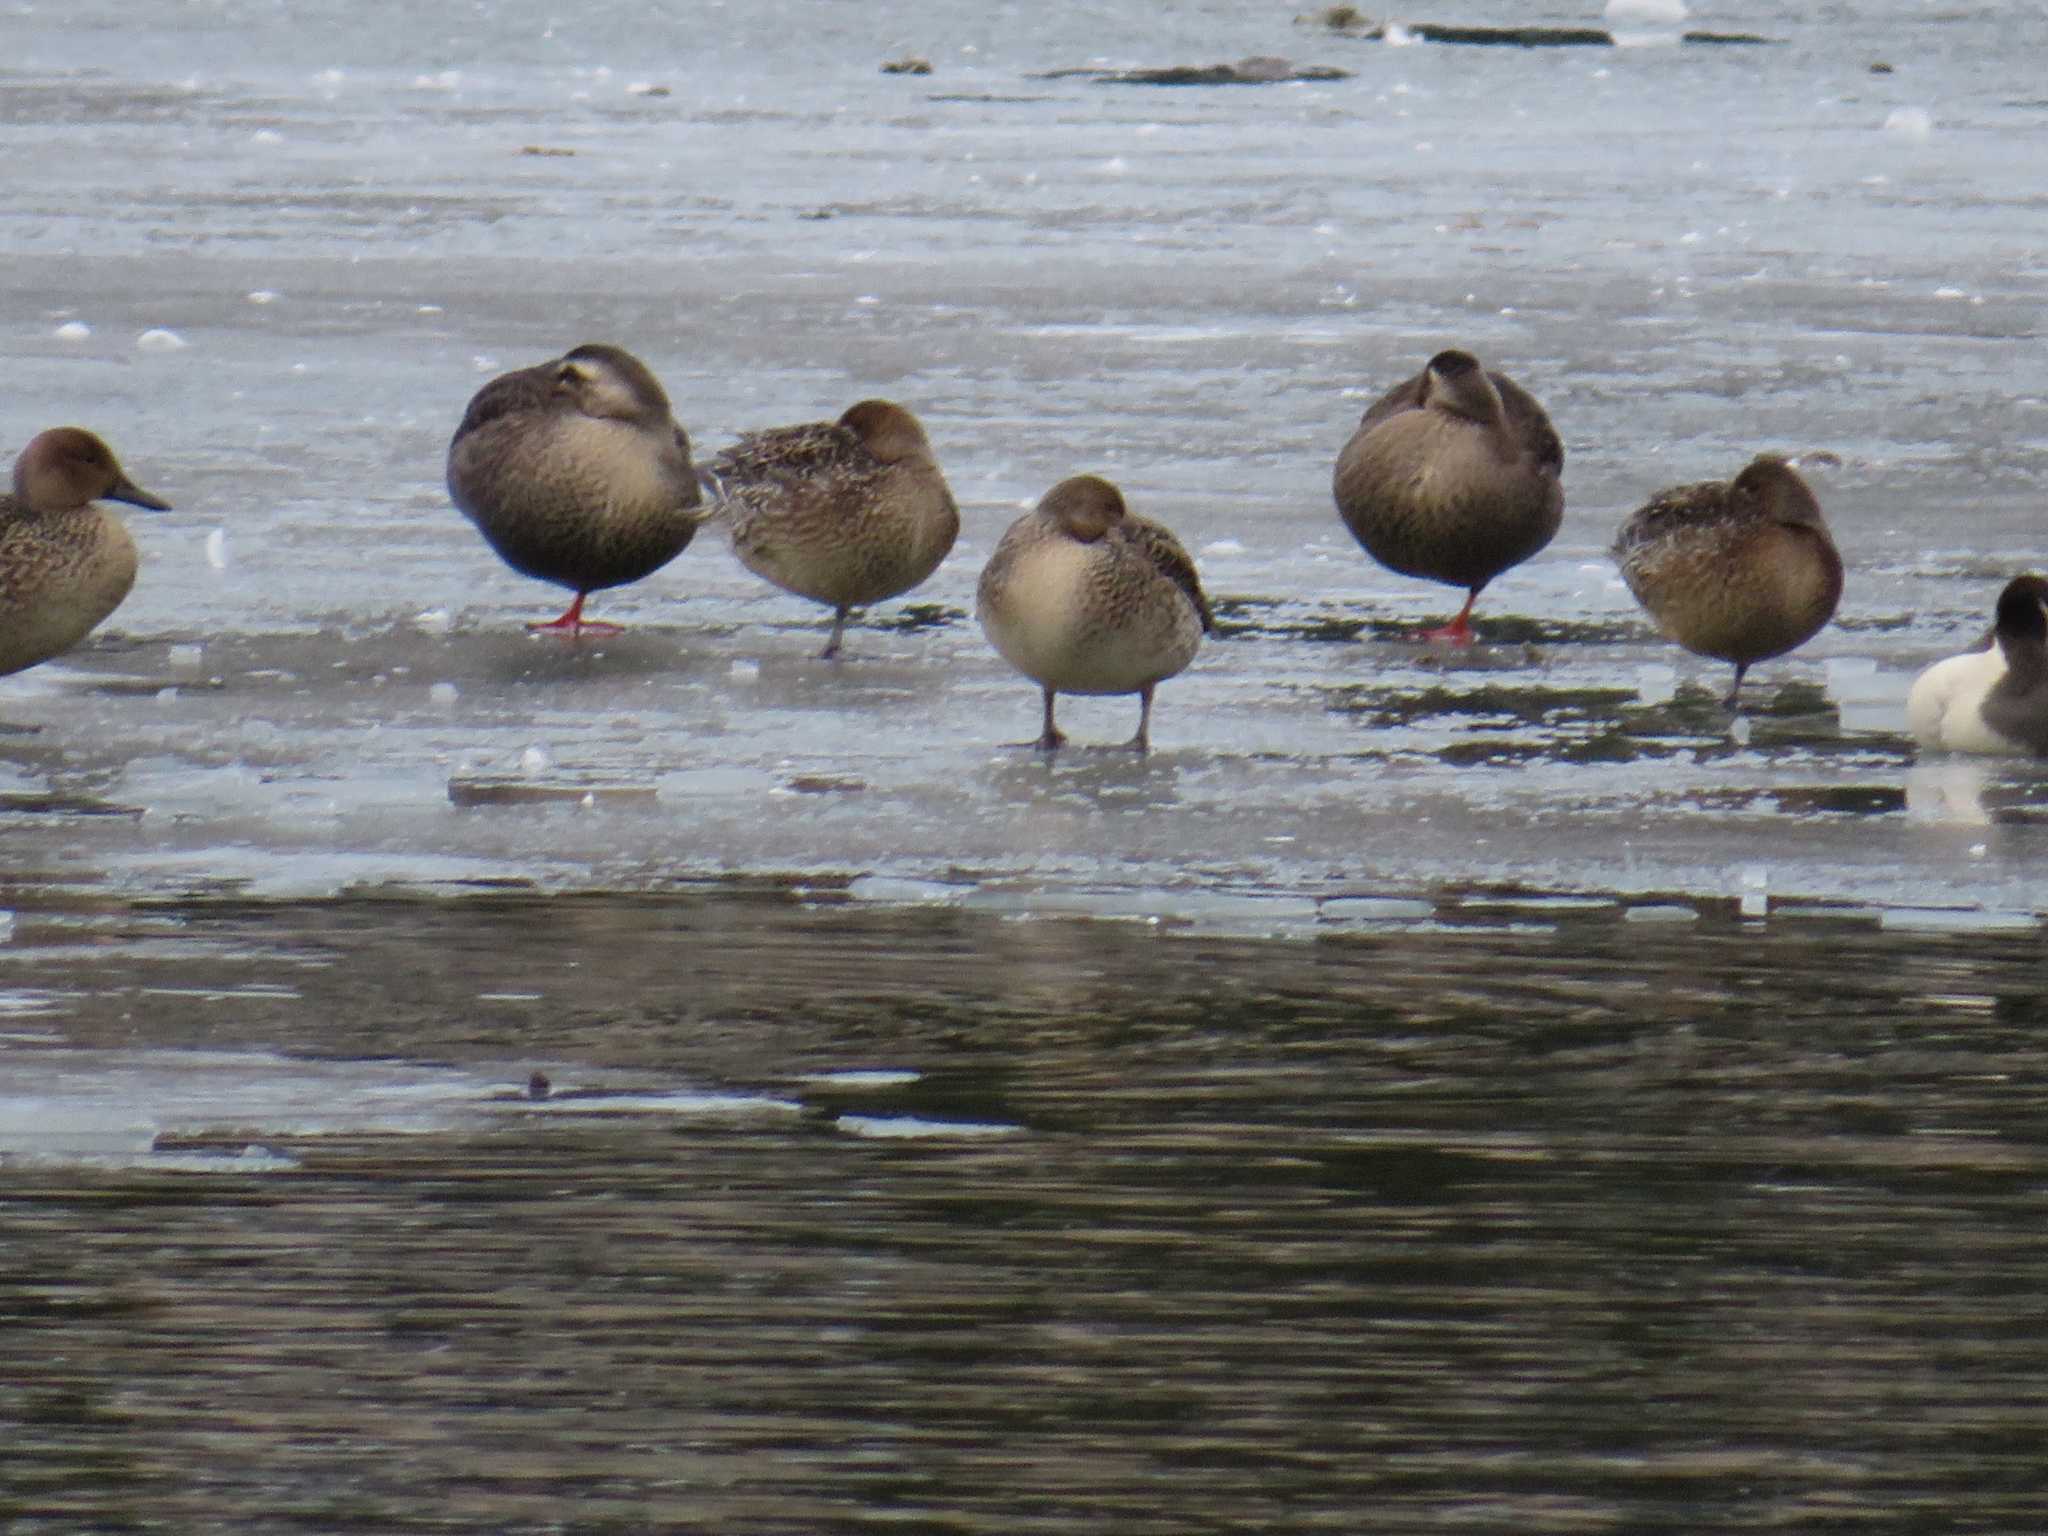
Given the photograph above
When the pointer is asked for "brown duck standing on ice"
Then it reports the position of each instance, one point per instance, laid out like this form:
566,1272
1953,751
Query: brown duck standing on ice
1453,476
845,512
576,473
65,563
1740,570
1083,596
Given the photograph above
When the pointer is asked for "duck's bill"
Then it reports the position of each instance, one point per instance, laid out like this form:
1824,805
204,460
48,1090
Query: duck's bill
127,490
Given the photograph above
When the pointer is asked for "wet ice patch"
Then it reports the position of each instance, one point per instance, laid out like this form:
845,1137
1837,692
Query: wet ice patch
1956,920
862,1078
128,1108
892,891
916,1128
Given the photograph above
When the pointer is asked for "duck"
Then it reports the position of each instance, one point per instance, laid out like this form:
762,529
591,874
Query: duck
1082,595
65,562
1736,570
576,472
1453,476
1993,698
845,513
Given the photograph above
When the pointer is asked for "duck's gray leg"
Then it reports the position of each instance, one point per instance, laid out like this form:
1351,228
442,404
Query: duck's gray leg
1142,742
838,633
1050,739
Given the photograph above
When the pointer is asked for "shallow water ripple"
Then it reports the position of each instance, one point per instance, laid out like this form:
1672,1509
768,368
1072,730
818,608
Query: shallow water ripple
1558,1223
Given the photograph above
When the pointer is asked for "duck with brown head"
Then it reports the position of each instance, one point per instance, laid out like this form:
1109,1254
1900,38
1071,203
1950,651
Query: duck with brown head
1453,476
65,563
1083,596
1739,570
1992,699
845,513
576,472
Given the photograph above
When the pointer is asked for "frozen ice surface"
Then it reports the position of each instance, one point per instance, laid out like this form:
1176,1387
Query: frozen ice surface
1204,325
1913,124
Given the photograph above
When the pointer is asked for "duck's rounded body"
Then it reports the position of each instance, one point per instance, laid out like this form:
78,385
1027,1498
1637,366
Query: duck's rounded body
576,473
1738,570
1452,476
1992,699
65,564
845,513
1082,596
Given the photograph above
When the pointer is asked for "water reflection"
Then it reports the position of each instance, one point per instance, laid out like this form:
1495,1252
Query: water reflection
836,1219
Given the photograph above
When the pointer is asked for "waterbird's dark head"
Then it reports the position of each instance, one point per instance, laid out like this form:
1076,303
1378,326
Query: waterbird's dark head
887,431
1455,382
2023,612
66,468
1085,506
609,382
1773,488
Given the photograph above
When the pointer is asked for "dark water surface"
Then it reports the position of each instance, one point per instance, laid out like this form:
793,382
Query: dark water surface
1504,1214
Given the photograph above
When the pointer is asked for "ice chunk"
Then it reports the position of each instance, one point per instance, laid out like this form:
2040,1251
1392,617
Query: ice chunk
217,549
73,330
157,339
1913,125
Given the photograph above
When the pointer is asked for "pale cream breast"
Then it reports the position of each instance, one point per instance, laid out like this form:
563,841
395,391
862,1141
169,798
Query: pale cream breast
623,463
1090,618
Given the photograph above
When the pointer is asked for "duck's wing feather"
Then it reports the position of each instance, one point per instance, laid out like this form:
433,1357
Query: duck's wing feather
1681,509
1530,423
1172,562
529,389
1405,396
779,455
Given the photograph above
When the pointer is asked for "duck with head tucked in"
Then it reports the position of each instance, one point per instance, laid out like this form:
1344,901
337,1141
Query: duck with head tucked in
1084,596
1992,699
65,563
1738,570
575,472
845,513
1453,476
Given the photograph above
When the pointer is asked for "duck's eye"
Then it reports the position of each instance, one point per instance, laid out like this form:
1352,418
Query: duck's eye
568,374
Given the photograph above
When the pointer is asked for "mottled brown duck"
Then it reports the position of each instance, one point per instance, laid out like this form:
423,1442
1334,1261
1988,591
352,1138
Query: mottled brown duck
576,473
65,562
1452,476
845,513
1737,570
1084,596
